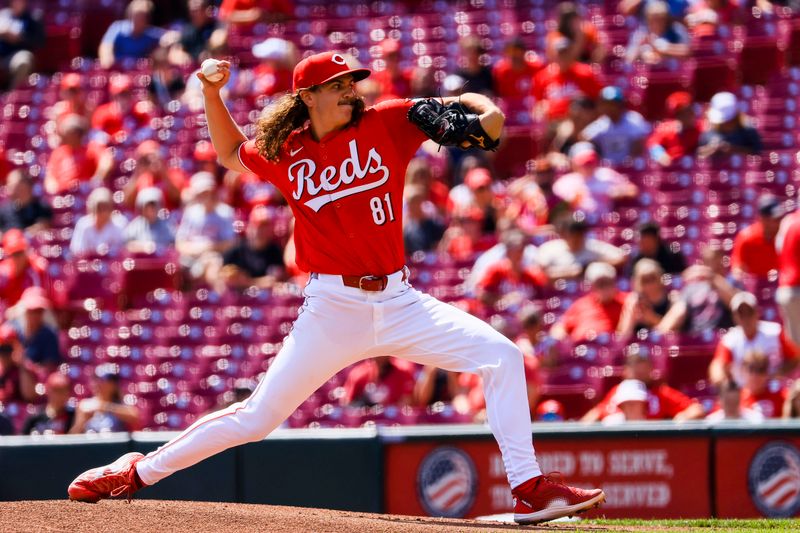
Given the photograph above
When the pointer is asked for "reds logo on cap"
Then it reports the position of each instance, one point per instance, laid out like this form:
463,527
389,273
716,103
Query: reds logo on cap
320,68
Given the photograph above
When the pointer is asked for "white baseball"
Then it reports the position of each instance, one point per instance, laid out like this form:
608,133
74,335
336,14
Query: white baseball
210,69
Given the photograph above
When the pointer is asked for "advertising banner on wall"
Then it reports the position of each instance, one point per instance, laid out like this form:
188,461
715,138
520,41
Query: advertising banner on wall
757,475
647,477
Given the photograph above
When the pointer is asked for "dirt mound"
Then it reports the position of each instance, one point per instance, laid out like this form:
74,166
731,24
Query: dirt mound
171,516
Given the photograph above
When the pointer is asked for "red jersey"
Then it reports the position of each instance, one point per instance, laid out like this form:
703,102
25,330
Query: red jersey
789,256
514,84
13,283
501,277
663,402
559,89
346,190
109,119
752,253
365,384
397,84
587,317
769,403
675,140
70,166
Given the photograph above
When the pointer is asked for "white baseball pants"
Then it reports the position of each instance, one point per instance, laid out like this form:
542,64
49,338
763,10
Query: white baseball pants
338,326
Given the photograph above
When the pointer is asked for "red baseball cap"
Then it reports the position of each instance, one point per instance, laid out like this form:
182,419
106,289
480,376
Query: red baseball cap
204,151
14,241
677,101
321,68
71,80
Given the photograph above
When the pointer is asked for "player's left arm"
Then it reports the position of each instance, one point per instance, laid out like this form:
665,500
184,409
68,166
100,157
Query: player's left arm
490,116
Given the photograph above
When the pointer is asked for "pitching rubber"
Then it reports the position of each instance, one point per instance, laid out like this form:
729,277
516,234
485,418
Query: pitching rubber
557,512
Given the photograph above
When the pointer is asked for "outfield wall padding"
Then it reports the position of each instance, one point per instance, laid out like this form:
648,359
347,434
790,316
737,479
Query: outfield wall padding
648,470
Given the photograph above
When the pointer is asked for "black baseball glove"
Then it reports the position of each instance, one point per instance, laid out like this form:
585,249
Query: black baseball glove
450,125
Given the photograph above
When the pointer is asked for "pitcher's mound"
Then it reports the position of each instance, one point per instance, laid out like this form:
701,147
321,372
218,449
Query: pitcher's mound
153,516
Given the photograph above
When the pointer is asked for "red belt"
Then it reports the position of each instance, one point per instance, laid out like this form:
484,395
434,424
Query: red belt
368,283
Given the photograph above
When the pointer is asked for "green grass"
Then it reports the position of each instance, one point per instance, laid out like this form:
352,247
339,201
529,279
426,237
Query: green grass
701,525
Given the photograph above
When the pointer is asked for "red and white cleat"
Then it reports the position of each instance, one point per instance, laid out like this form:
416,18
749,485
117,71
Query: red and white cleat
547,497
110,481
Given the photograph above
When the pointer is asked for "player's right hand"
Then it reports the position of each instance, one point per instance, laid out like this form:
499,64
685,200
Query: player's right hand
225,68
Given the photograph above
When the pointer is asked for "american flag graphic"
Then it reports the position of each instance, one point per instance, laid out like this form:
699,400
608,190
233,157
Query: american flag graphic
446,483
778,485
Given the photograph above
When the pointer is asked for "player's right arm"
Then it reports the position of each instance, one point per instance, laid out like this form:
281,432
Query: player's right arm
225,133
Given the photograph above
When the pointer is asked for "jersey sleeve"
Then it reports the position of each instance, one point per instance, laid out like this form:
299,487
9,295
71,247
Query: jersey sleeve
255,162
673,401
722,353
405,134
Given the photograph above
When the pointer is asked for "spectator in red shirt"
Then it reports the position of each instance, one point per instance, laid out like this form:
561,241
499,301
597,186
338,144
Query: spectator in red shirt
514,72
560,82
787,244
760,393
379,381
122,115
21,268
508,282
392,81
151,171
663,402
76,161
679,136
595,313
754,246
751,335
586,45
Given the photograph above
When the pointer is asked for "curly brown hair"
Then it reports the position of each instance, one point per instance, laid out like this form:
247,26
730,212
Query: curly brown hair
287,114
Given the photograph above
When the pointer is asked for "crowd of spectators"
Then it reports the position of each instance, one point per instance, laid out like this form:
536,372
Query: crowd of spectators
522,237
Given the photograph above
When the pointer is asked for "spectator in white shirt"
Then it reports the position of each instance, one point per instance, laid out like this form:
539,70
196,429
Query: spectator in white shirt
568,256
101,230
590,187
751,335
619,133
